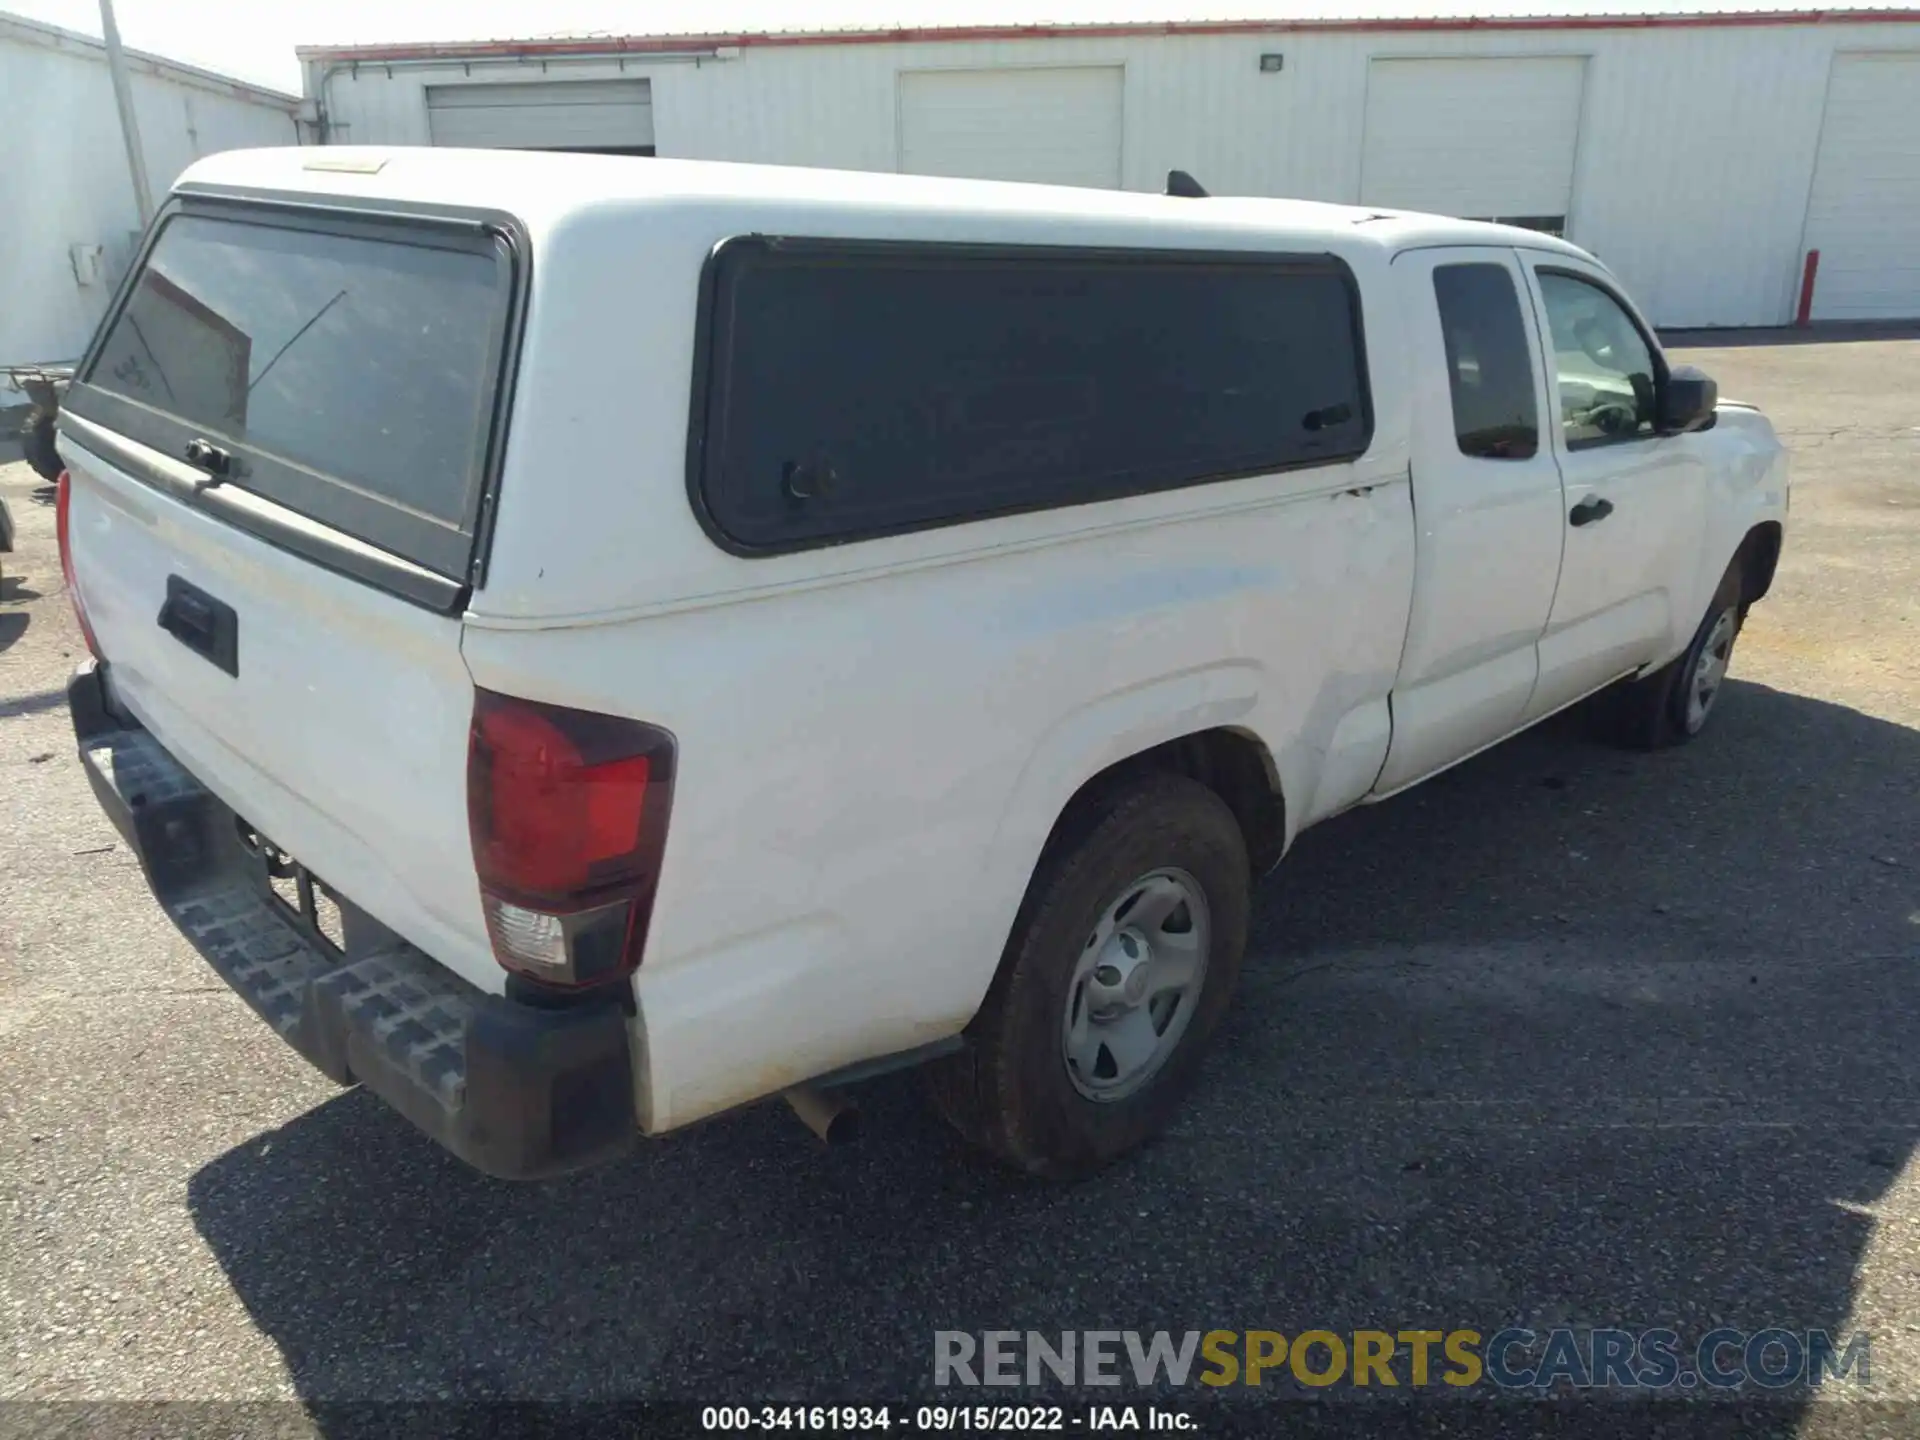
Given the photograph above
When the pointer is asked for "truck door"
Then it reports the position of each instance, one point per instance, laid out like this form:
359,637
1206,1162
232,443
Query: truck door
1487,508
1636,500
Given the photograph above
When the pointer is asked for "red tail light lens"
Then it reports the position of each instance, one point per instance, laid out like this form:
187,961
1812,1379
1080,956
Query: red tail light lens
62,493
567,810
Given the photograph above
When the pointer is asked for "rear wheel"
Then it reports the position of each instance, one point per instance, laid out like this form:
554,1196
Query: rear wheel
1673,704
1120,965
37,444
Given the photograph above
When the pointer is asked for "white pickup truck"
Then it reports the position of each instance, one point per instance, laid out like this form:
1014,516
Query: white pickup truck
584,643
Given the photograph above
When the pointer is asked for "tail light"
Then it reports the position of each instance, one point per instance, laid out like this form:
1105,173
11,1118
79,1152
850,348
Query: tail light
568,812
63,500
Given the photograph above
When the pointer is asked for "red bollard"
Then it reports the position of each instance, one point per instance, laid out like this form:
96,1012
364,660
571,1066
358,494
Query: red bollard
1805,316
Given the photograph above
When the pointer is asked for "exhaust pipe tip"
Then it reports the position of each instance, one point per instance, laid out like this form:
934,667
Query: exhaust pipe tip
827,1113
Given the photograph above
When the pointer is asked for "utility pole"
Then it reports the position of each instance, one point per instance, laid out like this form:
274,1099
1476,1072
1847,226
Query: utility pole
129,126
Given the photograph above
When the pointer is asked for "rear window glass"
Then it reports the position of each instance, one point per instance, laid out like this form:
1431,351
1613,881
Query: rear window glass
369,361
1489,366
859,390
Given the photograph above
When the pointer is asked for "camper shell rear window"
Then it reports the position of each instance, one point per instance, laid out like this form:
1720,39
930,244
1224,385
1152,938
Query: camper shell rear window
846,389
347,366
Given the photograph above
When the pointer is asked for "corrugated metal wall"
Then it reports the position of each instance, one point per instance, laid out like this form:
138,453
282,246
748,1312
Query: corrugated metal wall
1694,164
64,182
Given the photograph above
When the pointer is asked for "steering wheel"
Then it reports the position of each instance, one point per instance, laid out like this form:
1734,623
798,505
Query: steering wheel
1614,417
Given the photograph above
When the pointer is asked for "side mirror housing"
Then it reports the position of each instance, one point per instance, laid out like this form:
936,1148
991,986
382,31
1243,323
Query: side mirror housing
1686,401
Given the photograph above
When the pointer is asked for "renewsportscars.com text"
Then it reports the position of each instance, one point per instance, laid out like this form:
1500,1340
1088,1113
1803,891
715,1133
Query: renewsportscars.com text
1513,1358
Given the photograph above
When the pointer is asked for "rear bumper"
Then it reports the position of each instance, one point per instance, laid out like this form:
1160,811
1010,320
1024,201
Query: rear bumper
516,1090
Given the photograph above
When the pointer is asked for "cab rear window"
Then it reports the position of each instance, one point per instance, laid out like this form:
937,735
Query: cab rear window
350,371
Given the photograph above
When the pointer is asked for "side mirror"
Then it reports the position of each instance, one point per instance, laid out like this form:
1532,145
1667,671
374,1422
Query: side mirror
1686,401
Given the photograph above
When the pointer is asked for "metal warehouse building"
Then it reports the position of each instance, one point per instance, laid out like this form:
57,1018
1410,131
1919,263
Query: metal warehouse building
1700,154
68,218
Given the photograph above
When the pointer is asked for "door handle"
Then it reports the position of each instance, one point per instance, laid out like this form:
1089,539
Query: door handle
1589,510
206,626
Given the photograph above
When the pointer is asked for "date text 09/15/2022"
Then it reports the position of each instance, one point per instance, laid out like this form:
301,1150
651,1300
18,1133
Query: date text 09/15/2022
943,1418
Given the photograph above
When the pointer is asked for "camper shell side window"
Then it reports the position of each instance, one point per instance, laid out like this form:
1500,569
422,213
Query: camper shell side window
848,389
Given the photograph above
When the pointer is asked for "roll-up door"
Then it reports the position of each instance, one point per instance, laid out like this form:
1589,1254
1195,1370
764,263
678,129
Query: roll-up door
1049,126
1484,139
611,116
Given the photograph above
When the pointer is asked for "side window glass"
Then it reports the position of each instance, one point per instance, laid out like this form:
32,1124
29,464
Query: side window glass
1601,363
859,389
1489,366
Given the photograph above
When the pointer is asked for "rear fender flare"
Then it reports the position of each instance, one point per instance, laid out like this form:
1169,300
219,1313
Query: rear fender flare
1090,739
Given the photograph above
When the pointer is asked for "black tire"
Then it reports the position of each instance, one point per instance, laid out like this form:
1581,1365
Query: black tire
1009,1091
1654,713
36,445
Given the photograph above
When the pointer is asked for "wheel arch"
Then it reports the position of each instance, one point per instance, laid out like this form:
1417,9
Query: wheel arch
1193,723
1229,760
1758,558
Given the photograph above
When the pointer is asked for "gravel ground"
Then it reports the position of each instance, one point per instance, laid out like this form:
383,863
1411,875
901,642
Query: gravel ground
1568,1036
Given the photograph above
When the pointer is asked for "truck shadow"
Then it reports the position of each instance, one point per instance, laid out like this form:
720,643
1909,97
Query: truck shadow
1568,1037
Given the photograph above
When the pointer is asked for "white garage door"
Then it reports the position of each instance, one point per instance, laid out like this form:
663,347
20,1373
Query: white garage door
606,115
1053,127
1482,139
1864,214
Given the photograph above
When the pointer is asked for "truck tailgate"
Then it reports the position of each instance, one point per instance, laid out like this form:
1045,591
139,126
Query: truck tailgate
341,736
279,446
